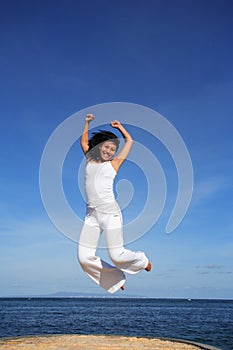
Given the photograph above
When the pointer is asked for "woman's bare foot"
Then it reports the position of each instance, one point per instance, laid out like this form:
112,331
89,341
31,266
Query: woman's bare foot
149,267
123,287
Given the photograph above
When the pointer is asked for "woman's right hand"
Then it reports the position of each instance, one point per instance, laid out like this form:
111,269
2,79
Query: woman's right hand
89,118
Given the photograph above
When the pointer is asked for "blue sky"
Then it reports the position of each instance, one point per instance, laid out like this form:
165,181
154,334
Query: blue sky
60,57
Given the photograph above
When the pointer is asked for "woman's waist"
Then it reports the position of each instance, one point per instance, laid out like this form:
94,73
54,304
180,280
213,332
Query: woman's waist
106,207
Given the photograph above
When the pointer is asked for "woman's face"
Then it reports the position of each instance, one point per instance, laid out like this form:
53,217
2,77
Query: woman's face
107,150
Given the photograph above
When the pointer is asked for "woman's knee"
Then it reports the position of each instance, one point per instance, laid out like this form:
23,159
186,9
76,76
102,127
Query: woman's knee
116,255
84,256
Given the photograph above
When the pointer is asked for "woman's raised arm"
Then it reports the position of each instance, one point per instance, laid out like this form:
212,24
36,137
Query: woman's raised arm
119,159
84,138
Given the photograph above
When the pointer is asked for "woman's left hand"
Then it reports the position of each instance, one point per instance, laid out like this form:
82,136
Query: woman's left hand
115,124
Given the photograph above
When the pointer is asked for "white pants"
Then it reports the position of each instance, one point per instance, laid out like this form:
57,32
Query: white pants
105,275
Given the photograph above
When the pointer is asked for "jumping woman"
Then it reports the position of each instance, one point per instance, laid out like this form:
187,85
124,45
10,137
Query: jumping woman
103,213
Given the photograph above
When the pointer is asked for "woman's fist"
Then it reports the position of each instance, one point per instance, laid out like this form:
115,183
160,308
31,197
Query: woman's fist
89,118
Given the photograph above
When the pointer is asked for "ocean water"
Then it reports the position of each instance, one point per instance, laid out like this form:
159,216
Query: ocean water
204,321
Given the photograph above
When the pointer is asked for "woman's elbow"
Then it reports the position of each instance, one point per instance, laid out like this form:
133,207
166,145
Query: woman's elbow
130,140
84,147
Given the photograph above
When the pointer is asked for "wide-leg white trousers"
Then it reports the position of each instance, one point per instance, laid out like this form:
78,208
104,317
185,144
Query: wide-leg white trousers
105,275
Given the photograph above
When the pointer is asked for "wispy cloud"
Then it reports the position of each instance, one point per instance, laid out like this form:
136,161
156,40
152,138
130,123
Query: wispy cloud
205,189
213,268
210,267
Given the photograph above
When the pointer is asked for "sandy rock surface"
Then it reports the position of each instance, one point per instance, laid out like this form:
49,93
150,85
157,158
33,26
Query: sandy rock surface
91,342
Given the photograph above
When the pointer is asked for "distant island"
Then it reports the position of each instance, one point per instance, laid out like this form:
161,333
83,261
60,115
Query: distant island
62,294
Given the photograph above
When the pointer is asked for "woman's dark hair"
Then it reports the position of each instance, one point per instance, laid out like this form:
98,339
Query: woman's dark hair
97,139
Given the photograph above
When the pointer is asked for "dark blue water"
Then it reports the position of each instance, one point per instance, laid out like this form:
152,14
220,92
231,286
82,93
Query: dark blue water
204,321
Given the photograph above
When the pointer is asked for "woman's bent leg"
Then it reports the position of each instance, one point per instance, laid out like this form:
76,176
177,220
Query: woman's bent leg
126,260
105,275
